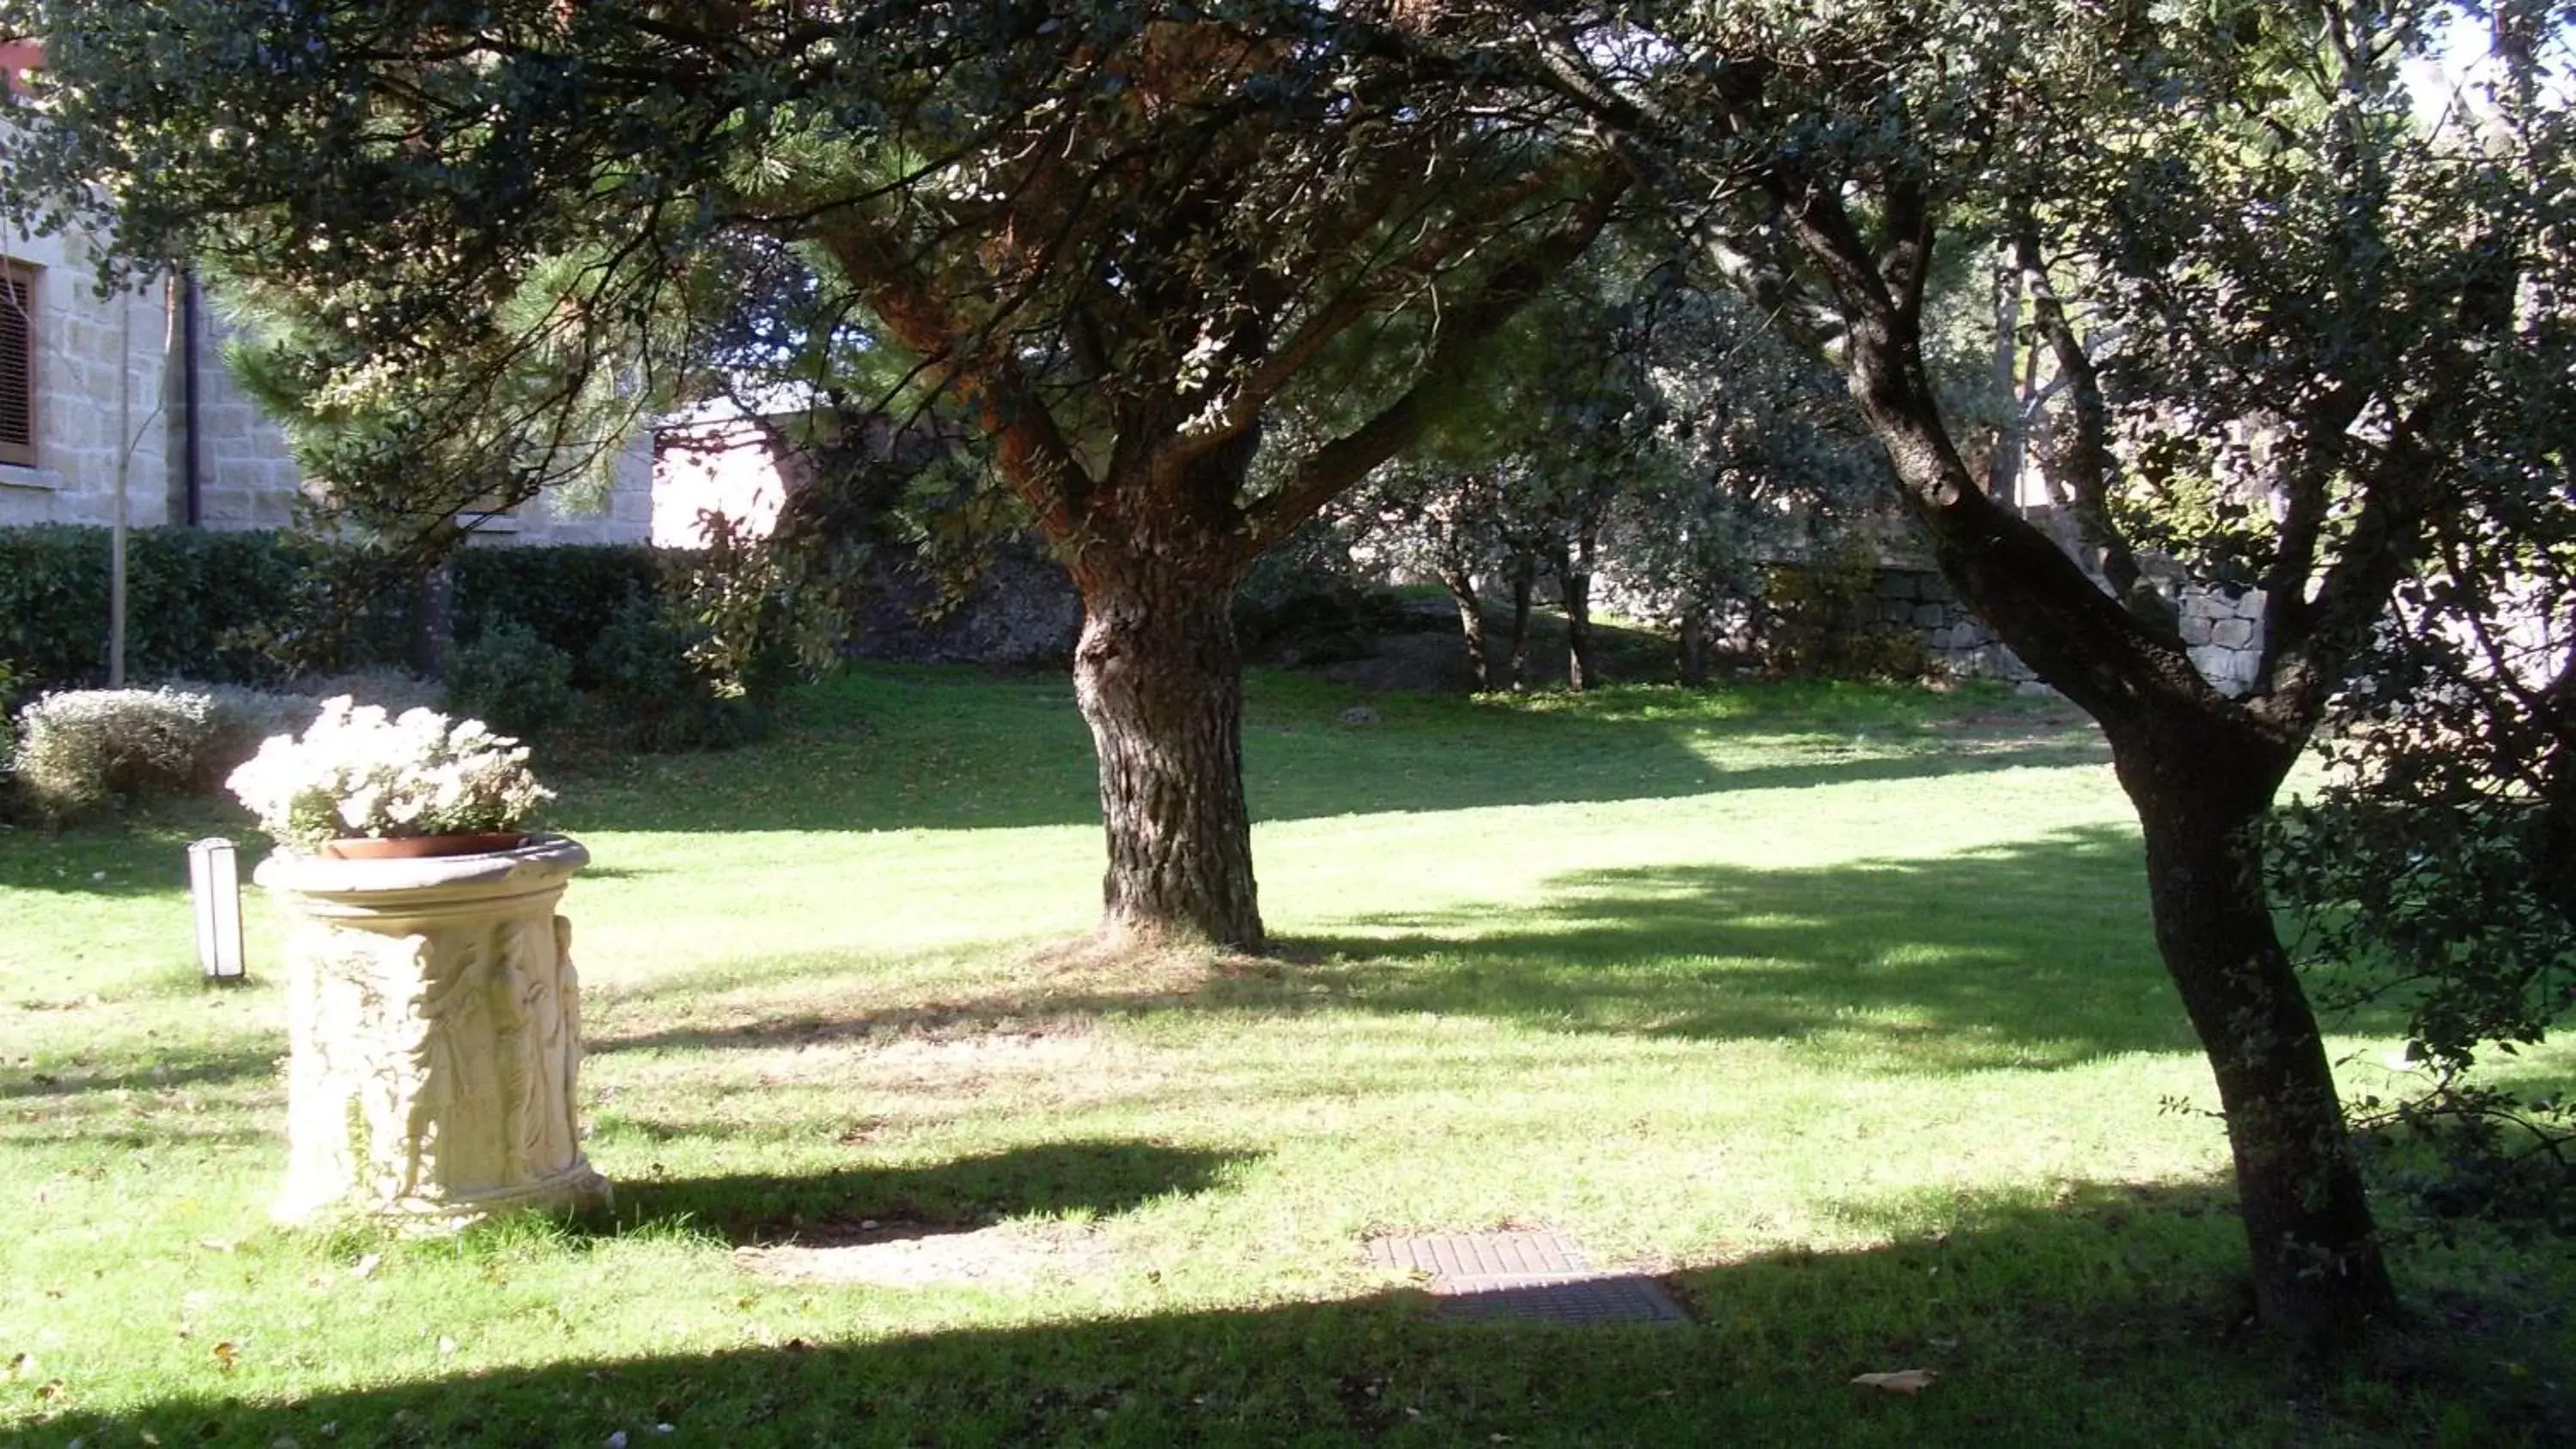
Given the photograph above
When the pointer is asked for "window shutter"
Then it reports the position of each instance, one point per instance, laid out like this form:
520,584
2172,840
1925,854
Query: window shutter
17,365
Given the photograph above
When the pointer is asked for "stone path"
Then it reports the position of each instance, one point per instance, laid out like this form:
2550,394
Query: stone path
1495,1277
1530,1276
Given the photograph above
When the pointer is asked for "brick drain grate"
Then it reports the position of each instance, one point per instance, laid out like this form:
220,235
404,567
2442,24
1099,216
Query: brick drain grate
1524,1277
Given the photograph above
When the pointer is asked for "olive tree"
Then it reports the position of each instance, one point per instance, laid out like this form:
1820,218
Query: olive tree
2325,301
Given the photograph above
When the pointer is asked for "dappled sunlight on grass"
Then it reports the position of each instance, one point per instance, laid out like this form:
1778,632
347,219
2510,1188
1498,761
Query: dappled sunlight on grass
1835,1009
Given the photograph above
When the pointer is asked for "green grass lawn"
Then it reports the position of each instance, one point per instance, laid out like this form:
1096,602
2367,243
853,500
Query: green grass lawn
1833,1007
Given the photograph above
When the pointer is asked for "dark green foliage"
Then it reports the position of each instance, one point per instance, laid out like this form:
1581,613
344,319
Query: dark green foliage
1320,625
1305,603
648,695
567,594
53,604
199,603
1823,622
2435,908
2432,873
514,680
2467,1150
593,638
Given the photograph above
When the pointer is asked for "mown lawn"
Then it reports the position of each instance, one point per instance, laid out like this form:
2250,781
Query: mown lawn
1833,1007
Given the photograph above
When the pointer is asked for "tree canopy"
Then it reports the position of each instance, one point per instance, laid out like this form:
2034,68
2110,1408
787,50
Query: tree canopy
2308,340
1113,235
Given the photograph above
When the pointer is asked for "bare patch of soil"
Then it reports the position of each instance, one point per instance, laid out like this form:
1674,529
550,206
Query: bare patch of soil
914,1255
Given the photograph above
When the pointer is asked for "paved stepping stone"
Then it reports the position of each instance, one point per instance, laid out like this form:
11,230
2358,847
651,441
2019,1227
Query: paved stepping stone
1525,1277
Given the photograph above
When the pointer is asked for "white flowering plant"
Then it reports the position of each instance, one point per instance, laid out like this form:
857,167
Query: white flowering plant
360,772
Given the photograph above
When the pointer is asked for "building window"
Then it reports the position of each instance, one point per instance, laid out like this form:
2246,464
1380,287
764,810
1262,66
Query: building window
17,364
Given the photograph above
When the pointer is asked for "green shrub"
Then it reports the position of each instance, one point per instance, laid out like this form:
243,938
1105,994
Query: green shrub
80,750
1306,603
537,627
513,680
568,595
245,717
53,604
393,690
199,603
649,696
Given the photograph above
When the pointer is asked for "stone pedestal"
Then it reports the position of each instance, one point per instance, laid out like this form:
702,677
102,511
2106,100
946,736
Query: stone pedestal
435,1027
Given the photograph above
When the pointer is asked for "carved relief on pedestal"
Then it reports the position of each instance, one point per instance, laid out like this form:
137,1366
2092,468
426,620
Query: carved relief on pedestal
436,1035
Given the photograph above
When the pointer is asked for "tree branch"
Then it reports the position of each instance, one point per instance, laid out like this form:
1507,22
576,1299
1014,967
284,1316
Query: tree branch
1325,473
1035,458
2089,461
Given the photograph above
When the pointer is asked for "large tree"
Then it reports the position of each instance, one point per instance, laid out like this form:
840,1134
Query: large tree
1114,235
2329,304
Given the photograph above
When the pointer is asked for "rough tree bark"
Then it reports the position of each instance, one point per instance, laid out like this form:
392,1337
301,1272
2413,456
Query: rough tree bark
2200,769
2201,787
1522,575
1461,585
1157,531
1574,593
1160,682
1691,648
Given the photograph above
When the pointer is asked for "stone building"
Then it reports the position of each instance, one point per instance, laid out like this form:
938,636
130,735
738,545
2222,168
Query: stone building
126,398
90,385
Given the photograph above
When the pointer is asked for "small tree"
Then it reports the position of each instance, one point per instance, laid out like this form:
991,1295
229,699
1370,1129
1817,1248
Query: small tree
1761,461
2326,304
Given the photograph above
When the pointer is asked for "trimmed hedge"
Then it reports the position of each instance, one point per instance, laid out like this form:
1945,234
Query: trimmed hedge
82,750
566,594
548,637
201,603
195,603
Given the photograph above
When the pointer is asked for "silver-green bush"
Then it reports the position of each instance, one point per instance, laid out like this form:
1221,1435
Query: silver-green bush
79,749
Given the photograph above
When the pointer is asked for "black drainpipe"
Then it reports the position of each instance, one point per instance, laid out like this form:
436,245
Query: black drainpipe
188,400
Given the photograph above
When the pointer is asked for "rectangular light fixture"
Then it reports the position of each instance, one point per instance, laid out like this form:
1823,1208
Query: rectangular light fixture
214,881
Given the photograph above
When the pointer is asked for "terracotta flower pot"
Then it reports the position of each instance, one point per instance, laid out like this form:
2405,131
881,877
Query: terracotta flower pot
418,847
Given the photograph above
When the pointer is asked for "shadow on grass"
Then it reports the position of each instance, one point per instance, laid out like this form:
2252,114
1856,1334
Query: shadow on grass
177,1070
2037,954
1101,1177
2040,953
2108,1317
920,749
135,852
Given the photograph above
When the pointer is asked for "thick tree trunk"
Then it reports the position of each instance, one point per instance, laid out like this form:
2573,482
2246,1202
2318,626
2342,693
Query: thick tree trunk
1522,576
1160,681
1471,624
2318,1270
1574,591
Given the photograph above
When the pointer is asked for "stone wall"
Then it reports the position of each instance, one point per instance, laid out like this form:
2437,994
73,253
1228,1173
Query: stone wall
1922,601
245,476
623,515
2224,631
1021,610
82,344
